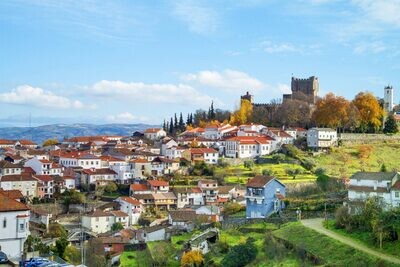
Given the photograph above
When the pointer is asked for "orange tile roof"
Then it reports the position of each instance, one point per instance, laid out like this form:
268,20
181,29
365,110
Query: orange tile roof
13,194
44,178
9,204
152,130
131,200
138,187
157,183
202,150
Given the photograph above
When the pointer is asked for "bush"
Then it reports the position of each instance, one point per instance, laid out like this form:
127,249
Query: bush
267,172
240,255
320,171
342,217
248,164
278,158
308,164
231,208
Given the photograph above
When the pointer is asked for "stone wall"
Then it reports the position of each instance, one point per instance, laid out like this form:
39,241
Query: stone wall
363,138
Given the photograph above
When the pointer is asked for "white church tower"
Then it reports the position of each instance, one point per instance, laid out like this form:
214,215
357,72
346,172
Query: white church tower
388,98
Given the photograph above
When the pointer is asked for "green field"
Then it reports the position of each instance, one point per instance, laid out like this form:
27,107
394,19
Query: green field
240,174
366,238
332,252
345,160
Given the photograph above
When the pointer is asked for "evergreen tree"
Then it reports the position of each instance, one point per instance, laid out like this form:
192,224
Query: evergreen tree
188,119
211,115
181,123
391,125
175,123
171,126
167,127
191,119
164,126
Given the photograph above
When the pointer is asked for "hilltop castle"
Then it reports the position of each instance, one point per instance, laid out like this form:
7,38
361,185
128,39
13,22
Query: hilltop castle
302,89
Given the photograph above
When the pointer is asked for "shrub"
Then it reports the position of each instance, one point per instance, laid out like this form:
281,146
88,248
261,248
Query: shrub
240,255
278,158
248,164
267,172
308,164
342,217
320,171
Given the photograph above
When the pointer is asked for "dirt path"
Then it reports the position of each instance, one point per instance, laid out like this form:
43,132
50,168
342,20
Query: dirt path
316,224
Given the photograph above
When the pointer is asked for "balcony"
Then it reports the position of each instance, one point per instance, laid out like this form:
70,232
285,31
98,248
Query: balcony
255,196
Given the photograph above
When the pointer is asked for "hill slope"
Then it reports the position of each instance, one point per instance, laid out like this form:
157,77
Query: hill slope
61,131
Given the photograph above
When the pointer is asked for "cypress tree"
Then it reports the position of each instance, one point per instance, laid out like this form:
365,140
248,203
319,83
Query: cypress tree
391,125
171,126
181,123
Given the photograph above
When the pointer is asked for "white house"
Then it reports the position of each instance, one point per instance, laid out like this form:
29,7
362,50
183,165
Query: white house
166,144
43,166
80,159
248,146
14,227
385,185
93,176
214,132
208,155
155,133
321,138
188,196
22,182
101,221
209,188
132,207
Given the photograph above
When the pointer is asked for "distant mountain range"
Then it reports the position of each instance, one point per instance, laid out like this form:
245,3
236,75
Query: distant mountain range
60,131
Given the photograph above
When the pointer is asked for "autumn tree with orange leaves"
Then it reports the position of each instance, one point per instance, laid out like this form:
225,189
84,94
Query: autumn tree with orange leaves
331,111
243,114
370,111
192,258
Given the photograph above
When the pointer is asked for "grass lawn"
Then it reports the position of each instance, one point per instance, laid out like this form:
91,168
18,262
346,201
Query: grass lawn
367,239
240,174
345,160
133,259
332,252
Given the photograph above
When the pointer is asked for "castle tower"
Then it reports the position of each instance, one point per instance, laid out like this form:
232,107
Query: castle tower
308,87
388,98
247,96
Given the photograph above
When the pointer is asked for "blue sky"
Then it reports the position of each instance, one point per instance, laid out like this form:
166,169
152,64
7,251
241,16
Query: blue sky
141,61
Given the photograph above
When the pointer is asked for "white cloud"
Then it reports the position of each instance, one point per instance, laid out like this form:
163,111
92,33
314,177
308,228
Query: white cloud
139,93
227,80
125,117
385,11
35,96
369,47
283,88
199,18
271,47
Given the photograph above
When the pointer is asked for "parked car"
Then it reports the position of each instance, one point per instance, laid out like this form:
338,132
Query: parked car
36,262
3,257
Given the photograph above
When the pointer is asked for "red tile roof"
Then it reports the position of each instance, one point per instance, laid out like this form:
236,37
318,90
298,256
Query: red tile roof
104,171
131,200
152,130
251,139
157,183
9,204
18,177
13,194
44,178
138,187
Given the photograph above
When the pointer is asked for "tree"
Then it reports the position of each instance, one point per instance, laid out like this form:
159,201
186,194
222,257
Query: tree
111,187
267,172
331,111
371,112
248,164
56,230
69,197
96,254
293,172
293,113
164,251
50,142
243,114
383,168
323,181
211,112
72,255
278,158
390,125
117,226
171,126
181,124
240,255
192,258
61,245
231,208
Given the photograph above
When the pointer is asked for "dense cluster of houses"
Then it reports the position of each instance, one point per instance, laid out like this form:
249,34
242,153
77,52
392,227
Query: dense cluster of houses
142,161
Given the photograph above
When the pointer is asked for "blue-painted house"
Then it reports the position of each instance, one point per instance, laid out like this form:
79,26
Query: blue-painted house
264,196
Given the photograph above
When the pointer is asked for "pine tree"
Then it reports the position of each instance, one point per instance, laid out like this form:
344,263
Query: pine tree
175,123
171,126
191,119
181,123
164,126
212,112
188,119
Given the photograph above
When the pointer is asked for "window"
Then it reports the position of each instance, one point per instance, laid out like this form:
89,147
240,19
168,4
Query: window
396,194
5,223
22,227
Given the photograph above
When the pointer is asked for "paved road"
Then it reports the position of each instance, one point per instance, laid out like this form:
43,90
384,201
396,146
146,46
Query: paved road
316,224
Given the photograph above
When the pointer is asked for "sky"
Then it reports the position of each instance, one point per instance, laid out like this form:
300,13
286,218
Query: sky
132,61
